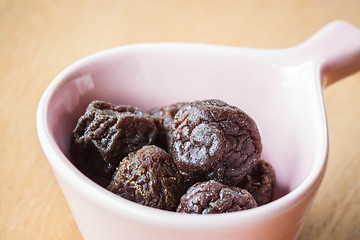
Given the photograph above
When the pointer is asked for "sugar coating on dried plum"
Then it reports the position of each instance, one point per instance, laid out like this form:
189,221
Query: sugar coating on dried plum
213,197
260,182
106,133
163,118
149,177
214,140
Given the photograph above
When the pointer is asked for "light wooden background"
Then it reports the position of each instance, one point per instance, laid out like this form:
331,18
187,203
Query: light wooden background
40,38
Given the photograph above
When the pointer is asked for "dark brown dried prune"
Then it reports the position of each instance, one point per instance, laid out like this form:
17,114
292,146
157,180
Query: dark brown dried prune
214,140
149,177
214,197
163,118
260,182
105,134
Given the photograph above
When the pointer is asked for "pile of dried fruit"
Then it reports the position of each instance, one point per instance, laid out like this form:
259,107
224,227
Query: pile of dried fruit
199,157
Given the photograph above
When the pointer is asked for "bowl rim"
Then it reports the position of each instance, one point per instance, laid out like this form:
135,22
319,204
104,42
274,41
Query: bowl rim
100,196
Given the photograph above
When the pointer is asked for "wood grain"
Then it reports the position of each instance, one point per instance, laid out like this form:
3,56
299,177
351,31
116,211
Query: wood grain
39,38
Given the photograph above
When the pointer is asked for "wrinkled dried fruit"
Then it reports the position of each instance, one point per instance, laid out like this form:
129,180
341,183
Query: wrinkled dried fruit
163,118
149,177
213,197
105,134
260,182
211,144
214,140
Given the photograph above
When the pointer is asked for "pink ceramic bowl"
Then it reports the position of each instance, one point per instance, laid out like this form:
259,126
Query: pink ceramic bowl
280,89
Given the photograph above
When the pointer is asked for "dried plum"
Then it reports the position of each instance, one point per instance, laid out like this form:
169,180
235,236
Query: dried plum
105,134
163,118
260,182
214,140
211,144
149,177
213,197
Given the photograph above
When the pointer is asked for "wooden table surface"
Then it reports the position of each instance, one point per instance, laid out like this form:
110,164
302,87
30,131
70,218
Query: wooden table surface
40,38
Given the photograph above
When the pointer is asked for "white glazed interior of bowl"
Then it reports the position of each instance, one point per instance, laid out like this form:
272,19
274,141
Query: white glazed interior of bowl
284,99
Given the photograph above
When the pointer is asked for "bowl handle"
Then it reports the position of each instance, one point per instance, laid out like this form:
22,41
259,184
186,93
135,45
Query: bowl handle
337,48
